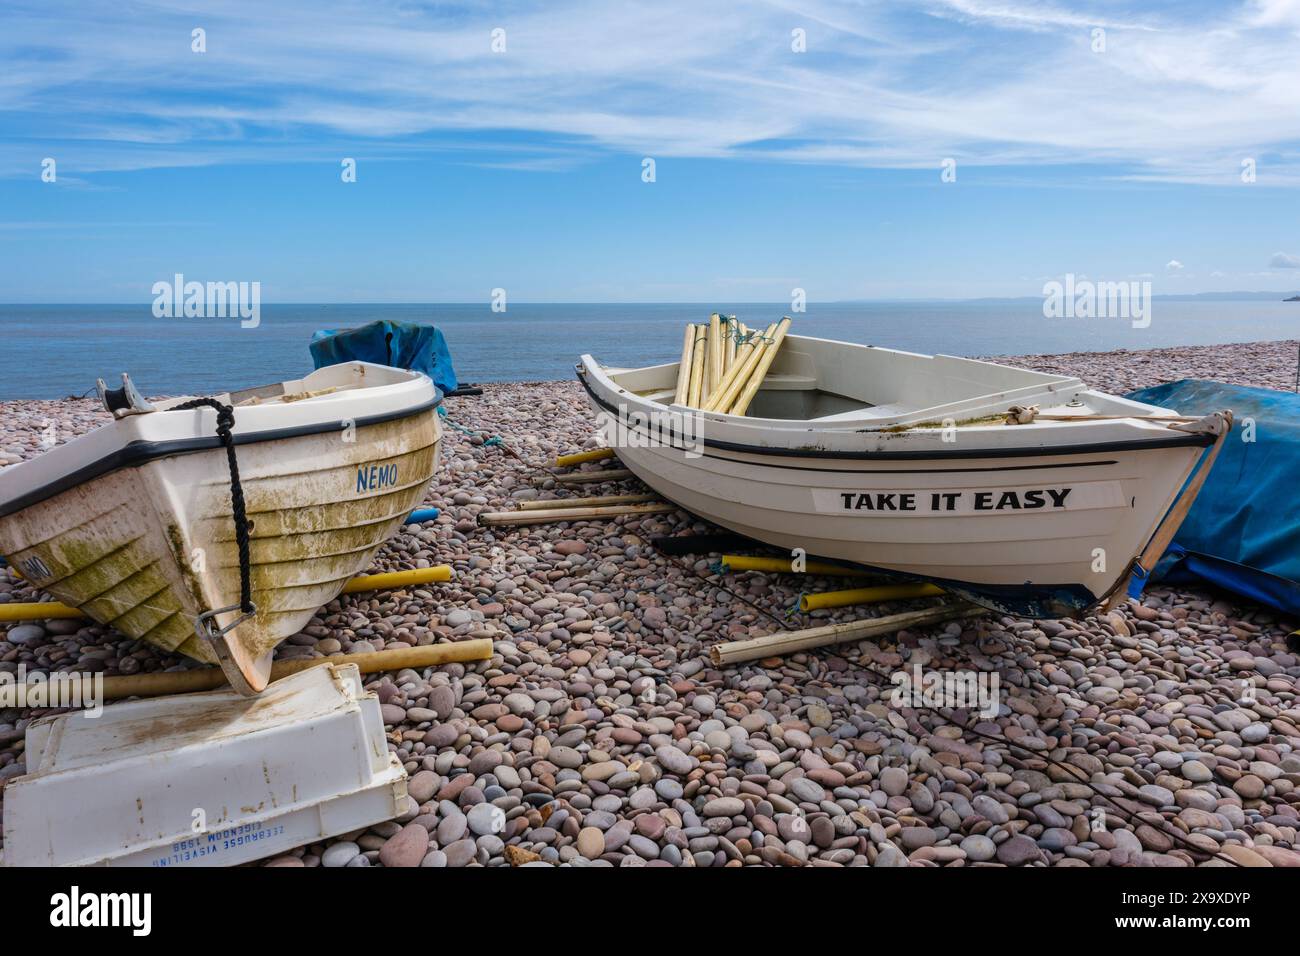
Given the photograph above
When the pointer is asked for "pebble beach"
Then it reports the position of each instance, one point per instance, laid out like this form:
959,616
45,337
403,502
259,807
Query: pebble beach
1165,733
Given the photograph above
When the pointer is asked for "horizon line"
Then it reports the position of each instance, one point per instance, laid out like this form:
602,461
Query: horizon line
486,303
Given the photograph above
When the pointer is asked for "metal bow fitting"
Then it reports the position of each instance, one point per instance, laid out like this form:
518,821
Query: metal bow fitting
205,623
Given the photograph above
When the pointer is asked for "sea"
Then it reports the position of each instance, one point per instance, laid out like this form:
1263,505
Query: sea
53,351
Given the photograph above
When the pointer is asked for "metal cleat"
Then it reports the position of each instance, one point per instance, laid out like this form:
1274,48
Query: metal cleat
123,401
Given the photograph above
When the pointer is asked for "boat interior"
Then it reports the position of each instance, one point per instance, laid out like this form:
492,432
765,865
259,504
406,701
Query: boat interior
330,380
827,382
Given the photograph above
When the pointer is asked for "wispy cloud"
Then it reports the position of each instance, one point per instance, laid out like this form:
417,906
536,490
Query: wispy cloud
1284,260
1030,16
1181,95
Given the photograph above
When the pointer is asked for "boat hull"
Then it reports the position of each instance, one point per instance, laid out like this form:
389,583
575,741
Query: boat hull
1042,520
146,549
1027,556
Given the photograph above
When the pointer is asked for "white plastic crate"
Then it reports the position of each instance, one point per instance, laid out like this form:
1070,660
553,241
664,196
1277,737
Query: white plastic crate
303,761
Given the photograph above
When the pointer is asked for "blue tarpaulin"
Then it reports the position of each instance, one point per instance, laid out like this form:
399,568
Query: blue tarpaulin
420,348
1243,532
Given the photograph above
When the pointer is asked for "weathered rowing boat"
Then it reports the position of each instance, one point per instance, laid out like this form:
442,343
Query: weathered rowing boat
216,527
906,463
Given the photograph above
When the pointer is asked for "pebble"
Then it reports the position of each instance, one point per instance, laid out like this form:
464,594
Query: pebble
724,807
25,634
807,790
406,848
674,761
1018,850
340,854
893,781
591,842
484,819
979,848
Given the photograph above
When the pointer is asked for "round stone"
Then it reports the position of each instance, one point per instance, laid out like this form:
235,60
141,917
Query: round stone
485,819
339,854
591,842
893,780
979,848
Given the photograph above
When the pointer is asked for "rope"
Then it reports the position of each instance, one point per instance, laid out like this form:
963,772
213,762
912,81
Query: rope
798,605
732,331
494,441
225,422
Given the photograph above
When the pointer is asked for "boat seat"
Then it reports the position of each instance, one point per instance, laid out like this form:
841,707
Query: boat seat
895,410
789,383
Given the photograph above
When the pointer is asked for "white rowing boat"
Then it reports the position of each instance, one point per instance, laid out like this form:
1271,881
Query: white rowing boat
905,463
140,526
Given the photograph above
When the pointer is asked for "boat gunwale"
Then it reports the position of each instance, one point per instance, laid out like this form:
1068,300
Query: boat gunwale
137,453
1175,440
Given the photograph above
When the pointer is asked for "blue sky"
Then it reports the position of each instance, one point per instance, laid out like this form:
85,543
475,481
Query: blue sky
522,169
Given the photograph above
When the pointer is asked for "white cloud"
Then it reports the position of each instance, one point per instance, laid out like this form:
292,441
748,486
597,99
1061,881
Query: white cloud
1284,260
1273,12
1033,16
1177,96
1173,265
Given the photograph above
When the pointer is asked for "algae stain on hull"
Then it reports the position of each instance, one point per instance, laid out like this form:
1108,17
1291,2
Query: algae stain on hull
133,567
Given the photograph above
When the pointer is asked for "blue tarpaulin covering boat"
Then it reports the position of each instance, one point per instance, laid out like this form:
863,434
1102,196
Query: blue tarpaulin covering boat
1243,532
408,345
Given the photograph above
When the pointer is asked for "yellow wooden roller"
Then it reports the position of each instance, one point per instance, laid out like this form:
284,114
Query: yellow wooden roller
41,611
398,579
747,358
729,350
596,454
759,372
716,359
700,354
888,592
684,367
52,610
197,679
743,562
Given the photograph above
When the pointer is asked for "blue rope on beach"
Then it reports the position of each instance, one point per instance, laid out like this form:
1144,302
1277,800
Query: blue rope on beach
487,442
798,605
